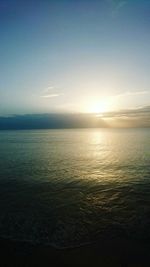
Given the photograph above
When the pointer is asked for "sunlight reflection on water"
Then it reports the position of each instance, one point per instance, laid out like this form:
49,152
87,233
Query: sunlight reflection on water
68,187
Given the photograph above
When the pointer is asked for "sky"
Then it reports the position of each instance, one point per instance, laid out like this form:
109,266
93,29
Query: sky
71,56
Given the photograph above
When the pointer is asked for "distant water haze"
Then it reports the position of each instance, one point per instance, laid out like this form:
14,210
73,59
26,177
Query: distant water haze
70,187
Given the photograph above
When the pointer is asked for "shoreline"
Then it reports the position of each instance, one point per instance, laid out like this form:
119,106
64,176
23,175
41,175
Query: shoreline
108,253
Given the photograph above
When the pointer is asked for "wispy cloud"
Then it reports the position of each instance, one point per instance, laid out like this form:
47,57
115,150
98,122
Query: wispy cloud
129,112
133,93
138,117
50,95
50,92
117,5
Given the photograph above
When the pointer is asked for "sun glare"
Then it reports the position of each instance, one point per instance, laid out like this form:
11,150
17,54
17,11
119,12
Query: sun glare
98,107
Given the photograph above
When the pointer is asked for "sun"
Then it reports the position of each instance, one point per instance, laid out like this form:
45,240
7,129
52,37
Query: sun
98,107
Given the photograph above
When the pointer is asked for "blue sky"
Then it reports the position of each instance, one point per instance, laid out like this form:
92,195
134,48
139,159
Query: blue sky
74,56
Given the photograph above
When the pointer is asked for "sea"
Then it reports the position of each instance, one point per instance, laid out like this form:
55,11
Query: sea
71,187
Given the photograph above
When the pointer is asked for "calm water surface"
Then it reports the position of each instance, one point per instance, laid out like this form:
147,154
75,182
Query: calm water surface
69,187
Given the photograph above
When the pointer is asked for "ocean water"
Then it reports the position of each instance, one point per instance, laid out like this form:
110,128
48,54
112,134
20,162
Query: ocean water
71,187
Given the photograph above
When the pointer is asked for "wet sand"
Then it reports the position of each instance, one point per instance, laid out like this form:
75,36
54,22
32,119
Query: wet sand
113,253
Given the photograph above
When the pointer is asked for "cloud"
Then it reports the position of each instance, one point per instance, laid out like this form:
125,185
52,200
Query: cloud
51,121
50,92
50,95
139,111
137,117
128,93
117,5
